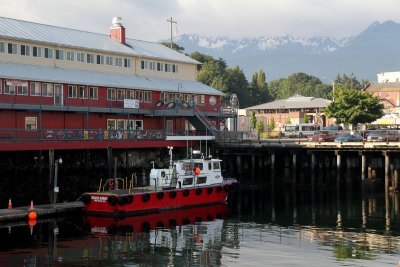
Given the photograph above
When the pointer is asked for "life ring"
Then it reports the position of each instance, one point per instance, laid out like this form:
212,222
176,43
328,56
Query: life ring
111,184
199,191
172,194
122,200
209,190
163,174
196,171
186,193
146,197
160,195
159,103
112,200
85,198
219,189
129,199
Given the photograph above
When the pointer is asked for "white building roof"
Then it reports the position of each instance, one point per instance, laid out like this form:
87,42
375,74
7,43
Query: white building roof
36,32
83,77
294,102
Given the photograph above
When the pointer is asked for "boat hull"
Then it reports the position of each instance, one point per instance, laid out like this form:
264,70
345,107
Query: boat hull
114,203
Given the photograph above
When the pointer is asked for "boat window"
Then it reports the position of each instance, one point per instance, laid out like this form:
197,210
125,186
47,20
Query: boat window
216,165
201,180
200,165
209,166
188,181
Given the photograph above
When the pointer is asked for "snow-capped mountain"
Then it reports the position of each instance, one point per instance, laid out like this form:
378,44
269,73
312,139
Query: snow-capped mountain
374,50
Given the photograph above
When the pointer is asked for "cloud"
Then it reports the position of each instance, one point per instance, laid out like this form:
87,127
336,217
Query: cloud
147,19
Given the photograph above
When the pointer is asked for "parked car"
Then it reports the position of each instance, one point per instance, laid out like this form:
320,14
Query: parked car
321,136
349,137
334,128
384,136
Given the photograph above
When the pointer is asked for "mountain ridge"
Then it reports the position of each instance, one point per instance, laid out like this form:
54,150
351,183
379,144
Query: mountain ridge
373,50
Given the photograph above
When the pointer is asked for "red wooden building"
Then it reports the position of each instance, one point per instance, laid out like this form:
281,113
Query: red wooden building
62,88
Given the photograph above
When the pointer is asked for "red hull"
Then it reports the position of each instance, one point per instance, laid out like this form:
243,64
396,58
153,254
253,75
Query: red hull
109,203
166,219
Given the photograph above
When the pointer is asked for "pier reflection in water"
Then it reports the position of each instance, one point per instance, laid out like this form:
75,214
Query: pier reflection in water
259,228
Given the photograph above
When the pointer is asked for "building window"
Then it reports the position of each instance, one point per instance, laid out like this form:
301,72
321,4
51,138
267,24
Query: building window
90,58
110,93
127,63
25,50
100,59
109,61
70,56
93,92
160,66
143,64
72,91
22,89
48,52
120,94
175,68
130,94
121,124
36,51
59,54
163,97
1,47
138,125
167,67
152,65
9,88
35,89
118,61
202,100
111,123
47,89
1,86
147,96
80,57
12,48
83,92
30,123
139,95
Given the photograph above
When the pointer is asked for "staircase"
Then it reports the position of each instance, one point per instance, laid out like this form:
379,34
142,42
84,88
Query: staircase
202,123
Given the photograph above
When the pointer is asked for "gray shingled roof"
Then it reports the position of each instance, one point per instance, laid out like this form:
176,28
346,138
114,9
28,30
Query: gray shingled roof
36,32
74,76
294,102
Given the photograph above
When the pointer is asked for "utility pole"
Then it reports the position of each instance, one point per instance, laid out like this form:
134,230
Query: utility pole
171,22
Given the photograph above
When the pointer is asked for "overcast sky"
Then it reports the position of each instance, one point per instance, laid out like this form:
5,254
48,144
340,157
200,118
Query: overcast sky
147,19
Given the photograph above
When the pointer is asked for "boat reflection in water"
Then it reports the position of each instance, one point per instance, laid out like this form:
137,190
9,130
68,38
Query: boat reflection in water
177,237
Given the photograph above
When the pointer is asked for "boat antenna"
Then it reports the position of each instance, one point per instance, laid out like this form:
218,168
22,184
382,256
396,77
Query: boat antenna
170,154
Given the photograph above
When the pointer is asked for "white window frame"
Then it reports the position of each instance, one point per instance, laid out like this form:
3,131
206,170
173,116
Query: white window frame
127,63
152,65
109,61
111,94
80,57
139,125
25,50
120,94
49,52
139,95
70,55
29,124
119,121
22,89
47,90
111,123
1,86
83,92
100,59
9,89
59,54
72,91
35,89
93,93
38,51
147,96
118,61
90,58
13,50
2,48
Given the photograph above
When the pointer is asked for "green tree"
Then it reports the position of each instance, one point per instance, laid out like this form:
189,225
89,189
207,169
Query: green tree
354,106
175,46
271,124
237,84
305,118
253,120
260,127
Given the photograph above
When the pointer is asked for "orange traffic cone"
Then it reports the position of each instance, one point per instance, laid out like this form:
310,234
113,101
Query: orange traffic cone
31,207
9,203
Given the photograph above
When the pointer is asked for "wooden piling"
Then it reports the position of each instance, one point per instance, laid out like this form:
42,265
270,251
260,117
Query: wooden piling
387,162
294,170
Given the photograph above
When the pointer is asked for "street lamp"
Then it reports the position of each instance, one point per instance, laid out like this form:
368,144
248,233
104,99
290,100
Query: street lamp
56,188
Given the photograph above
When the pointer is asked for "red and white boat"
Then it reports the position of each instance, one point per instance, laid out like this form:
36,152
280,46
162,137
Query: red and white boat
190,182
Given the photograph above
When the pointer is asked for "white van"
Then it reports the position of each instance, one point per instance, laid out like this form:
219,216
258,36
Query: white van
301,129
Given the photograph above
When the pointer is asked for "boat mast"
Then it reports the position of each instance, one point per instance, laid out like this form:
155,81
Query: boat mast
170,155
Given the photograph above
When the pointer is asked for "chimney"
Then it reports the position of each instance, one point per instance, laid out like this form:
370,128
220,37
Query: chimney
117,31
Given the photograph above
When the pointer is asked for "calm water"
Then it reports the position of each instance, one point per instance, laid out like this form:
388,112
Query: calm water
257,228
